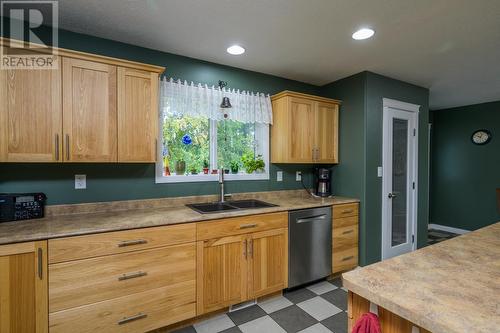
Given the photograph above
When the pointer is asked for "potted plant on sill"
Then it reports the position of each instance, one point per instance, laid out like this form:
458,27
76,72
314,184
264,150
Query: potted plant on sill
180,167
205,167
194,170
253,164
234,166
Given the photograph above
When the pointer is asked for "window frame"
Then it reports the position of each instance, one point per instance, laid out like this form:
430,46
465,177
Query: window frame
262,136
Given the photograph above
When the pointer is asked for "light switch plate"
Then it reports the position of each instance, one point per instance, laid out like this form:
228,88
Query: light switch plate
298,176
279,176
80,182
379,172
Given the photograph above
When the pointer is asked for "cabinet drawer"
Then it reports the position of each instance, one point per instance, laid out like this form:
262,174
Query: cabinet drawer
81,247
241,225
345,259
345,238
345,210
93,280
139,312
345,222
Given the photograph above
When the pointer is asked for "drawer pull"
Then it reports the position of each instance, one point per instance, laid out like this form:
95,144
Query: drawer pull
132,242
348,232
128,276
347,211
248,226
132,318
347,258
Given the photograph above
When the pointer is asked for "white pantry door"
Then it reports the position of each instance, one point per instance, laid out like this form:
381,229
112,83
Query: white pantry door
399,182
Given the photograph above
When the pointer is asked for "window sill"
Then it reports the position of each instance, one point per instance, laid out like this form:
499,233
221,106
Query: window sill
210,178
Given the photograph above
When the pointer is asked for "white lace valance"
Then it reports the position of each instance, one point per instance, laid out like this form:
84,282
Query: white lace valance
183,98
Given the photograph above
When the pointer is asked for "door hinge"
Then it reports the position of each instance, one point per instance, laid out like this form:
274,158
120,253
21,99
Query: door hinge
412,239
414,132
413,185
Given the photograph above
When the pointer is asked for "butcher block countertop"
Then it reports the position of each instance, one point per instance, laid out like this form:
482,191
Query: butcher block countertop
452,286
82,219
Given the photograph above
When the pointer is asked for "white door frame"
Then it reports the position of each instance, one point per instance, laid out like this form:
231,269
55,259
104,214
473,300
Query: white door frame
413,174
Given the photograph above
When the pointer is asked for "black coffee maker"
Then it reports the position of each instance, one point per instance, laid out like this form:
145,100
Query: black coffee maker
322,182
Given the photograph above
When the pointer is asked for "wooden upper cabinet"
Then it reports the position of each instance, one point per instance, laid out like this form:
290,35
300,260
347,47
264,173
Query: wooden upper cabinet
326,140
89,111
137,115
30,115
23,288
305,129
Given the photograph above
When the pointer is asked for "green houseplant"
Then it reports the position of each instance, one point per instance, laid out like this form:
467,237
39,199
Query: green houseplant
180,167
205,167
234,166
194,170
253,164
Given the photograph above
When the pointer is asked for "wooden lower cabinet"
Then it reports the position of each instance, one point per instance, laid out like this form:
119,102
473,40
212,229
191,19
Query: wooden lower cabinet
140,312
345,237
233,269
23,288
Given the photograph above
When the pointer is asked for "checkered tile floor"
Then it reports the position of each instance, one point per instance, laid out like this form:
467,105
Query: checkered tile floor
436,236
318,308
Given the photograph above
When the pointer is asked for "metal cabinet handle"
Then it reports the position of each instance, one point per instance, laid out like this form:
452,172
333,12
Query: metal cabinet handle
312,218
245,249
57,147
128,276
247,226
392,195
132,318
67,147
347,258
348,232
132,242
40,263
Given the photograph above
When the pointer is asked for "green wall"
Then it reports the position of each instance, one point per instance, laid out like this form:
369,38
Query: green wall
107,182
465,176
361,151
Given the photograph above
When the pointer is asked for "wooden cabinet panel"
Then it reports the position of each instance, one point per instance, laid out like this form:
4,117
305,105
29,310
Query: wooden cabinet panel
23,288
345,238
89,111
241,225
302,130
341,222
137,115
221,272
81,282
81,247
268,251
326,139
30,115
344,259
140,312
345,210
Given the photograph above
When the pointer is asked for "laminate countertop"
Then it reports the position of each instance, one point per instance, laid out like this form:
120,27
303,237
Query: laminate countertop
82,219
452,286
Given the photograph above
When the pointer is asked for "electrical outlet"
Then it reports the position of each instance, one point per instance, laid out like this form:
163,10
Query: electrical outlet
80,182
279,176
298,176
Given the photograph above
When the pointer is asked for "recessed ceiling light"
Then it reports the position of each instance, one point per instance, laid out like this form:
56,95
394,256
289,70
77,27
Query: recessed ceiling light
364,33
235,50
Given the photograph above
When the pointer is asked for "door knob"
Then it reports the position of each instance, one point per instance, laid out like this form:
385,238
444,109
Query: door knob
392,195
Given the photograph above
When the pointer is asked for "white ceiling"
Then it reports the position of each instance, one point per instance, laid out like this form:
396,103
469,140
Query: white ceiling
451,47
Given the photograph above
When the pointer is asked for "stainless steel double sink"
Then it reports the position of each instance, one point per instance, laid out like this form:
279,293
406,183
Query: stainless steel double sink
218,207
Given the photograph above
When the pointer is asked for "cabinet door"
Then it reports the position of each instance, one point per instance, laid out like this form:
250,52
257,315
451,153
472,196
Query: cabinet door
30,115
23,288
89,111
268,253
301,130
326,141
137,115
221,272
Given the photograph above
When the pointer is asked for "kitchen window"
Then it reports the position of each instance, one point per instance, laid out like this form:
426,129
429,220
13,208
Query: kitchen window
197,137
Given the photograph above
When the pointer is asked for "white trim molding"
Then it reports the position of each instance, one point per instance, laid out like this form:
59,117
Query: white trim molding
404,106
447,229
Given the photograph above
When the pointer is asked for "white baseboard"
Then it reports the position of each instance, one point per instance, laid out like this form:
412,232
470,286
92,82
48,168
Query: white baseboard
448,229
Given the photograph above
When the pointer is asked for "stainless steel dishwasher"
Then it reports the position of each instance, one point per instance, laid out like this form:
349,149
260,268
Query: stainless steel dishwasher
309,245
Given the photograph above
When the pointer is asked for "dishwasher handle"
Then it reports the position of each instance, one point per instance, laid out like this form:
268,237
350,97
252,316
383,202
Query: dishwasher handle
311,218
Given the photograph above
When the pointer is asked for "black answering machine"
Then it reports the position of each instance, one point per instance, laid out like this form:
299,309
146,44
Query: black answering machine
21,206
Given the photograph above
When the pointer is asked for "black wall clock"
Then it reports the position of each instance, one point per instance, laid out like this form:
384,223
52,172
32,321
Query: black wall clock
481,137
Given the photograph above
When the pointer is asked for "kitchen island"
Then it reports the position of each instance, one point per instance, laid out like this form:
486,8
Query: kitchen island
452,287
